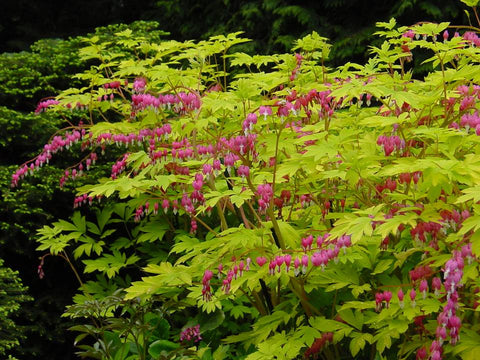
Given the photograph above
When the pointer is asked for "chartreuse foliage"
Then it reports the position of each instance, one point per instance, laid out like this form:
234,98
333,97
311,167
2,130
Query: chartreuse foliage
285,207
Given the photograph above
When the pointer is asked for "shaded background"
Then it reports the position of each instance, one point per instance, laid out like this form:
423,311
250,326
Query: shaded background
272,24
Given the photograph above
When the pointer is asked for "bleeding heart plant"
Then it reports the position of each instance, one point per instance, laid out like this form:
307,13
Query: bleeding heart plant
257,157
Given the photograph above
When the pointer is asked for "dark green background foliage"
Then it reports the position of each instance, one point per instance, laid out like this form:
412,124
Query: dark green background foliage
22,22
12,295
272,24
37,201
26,78
275,24
47,67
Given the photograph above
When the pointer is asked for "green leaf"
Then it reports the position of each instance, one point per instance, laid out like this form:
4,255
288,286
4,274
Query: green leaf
382,266
211,321
79,222
358,342
399,325
153,231
471,3
360,289
352,318
65,226
122,352
326,325
159,346
475,239
221,352
390,226
110,264
239,311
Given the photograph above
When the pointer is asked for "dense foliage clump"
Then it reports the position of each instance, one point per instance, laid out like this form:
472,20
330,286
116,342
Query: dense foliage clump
271,206
12,295
27,78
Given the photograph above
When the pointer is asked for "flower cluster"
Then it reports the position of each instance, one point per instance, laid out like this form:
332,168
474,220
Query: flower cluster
386,297
306,200
235,271
281,200
420,272
327,250
277,263
471,38
470,121
144,135
58,143
265,193
141,211
43,105
448,322
82,200
406,178
112,85
249,122
368,99
390,143
449,220
389,184
78,170
139,85
206,289
327,103
299,59
119,166
180,103
191,334
243,171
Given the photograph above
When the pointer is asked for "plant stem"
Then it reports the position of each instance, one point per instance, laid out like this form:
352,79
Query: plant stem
244,218
255,301
67,259
221,215
205,225
224,70
476,15
307,307
276,229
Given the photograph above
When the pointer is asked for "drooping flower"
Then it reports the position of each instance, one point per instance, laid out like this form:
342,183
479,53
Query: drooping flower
265,111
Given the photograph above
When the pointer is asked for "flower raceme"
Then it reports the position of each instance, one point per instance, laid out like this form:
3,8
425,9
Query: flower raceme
43,105
181,103
277,264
